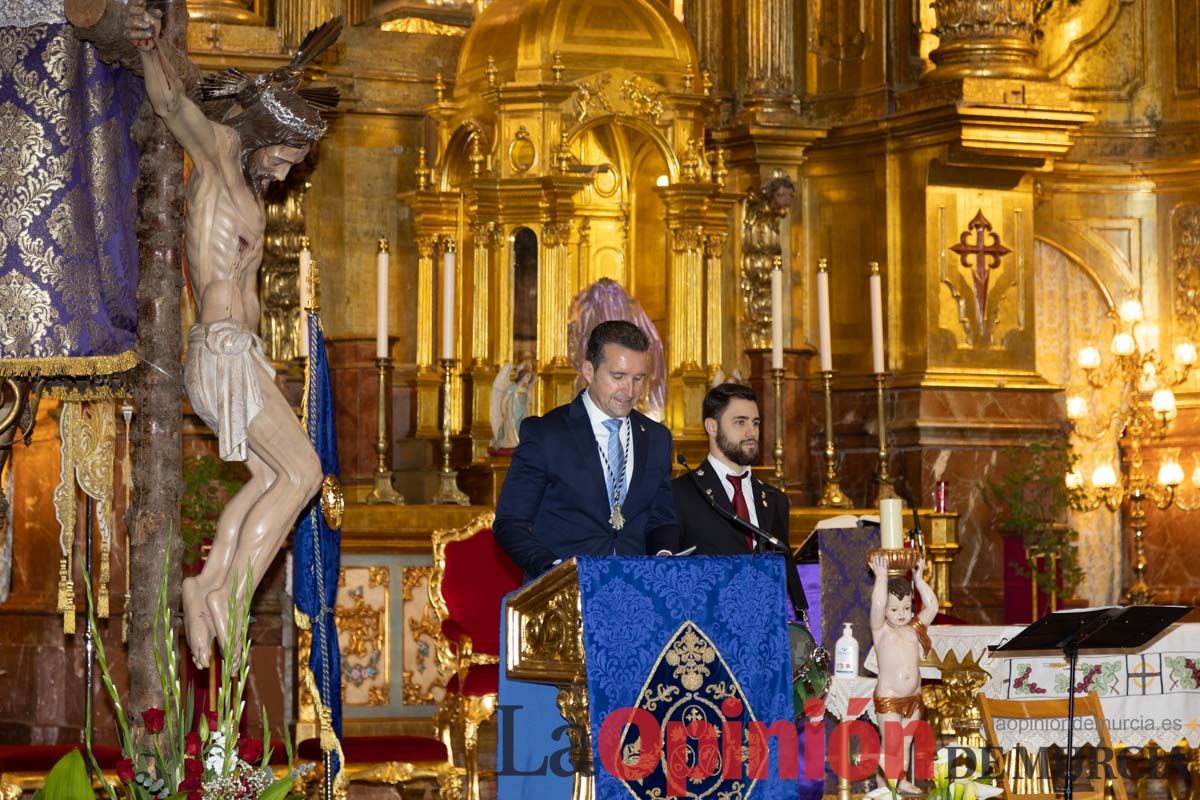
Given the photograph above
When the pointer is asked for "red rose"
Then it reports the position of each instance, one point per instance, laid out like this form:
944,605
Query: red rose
195,794
190,784
192,768
153,717
250,750
211,718
125,771
191,744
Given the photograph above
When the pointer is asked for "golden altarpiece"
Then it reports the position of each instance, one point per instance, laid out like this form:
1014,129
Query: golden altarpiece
1016,169
584,124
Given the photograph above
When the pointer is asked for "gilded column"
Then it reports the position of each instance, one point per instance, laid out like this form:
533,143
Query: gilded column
481,267
714,303
482,370
769,47
558,378
506,265
686,379
553,289
704,23
686,306
295,18
428,379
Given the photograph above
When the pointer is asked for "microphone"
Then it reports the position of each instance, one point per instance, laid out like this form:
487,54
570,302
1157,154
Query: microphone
794,587
905,493
753,529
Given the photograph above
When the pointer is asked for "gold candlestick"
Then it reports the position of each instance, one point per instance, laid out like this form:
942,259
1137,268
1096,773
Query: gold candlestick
832,496
899,560
780,479
448,492
883,478
383,492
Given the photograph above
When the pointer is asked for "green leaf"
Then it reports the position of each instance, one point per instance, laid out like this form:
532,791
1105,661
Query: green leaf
178,796
68,780
277,790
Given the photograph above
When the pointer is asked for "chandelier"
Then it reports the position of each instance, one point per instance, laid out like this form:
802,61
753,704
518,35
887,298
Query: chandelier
1143,414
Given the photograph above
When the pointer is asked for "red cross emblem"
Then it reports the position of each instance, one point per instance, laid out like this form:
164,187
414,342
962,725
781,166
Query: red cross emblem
981,251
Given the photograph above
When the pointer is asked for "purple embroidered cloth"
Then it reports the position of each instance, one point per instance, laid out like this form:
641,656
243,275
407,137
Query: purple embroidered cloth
68,170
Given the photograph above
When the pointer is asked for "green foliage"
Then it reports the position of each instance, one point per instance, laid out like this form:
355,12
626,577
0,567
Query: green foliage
68,780
208,483
1030,499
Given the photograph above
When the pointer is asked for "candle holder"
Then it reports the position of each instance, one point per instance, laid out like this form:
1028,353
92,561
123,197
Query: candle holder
780,479
900,560
448,492
383,492
832,496
882,477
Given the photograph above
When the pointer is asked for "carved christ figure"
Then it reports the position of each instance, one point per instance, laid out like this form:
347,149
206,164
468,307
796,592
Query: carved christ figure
270,128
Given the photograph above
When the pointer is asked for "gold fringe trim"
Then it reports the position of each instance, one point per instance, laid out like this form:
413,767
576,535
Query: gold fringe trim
66,366
329,740
73,394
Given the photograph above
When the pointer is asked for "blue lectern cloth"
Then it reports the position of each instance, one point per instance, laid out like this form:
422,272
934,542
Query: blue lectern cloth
709,591
681,638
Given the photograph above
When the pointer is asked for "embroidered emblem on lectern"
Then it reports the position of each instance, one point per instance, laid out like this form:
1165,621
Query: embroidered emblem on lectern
696,701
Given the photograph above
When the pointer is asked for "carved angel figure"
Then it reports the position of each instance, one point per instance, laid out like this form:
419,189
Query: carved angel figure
511,391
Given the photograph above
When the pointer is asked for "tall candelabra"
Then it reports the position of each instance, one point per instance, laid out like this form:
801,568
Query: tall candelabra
383,491
448,491
780,477
1138,371
832,496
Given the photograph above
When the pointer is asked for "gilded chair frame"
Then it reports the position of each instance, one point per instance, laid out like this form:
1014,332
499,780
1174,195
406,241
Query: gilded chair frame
460,714
1086,705
394,773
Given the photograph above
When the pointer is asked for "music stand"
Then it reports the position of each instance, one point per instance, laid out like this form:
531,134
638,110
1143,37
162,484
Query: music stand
1111,628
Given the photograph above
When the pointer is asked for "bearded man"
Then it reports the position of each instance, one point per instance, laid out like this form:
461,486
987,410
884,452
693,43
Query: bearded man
732,422
270,126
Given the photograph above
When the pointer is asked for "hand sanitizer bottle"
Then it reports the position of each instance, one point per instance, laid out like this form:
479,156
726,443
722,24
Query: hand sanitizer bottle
845,659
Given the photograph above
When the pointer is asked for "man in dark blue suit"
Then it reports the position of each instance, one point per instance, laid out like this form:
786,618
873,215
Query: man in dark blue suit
592,477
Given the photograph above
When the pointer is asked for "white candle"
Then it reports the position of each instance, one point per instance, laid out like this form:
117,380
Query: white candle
777,318
876,319
305,277
823,316
448,301
381,300
891,523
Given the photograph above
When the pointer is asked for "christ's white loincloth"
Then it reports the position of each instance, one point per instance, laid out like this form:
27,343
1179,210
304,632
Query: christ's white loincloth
222,382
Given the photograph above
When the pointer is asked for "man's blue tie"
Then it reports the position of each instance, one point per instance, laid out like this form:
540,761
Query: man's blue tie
616,462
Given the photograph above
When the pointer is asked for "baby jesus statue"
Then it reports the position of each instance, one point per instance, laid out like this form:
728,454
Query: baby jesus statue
900,642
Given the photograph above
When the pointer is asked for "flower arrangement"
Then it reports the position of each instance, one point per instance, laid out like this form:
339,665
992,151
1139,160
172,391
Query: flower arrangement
177,760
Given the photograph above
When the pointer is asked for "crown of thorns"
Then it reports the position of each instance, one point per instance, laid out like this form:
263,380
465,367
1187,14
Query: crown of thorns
288,118
268,88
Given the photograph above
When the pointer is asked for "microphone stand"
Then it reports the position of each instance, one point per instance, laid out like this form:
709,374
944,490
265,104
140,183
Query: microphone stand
902,489
795,588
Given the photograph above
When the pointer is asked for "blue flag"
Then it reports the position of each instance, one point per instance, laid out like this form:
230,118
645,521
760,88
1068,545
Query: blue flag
317,551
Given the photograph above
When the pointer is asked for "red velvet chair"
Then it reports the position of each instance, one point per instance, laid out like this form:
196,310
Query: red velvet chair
391,760
471,575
